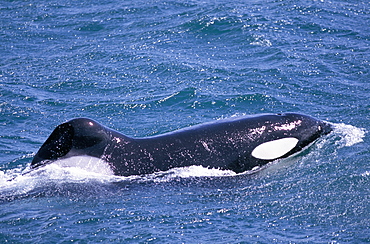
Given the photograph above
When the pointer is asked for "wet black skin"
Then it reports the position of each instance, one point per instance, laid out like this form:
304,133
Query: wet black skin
223,144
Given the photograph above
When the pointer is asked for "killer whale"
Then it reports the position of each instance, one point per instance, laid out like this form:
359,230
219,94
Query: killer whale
238,144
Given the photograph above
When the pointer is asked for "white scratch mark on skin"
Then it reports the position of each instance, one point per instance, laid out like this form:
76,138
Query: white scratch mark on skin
205,146
289,126
258,131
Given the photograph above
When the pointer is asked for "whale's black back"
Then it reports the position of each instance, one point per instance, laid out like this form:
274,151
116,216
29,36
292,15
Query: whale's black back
225,144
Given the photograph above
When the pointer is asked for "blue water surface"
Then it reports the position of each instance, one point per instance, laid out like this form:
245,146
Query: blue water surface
149,67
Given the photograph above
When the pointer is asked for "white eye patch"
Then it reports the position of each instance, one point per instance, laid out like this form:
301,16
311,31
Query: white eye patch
274,149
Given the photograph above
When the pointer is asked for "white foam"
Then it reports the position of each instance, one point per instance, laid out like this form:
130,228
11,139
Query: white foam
199,171
350,135
62,174
86,163
20,181
14,183
186,172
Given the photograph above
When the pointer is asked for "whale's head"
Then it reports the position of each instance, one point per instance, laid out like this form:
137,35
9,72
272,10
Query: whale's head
76,137
287,133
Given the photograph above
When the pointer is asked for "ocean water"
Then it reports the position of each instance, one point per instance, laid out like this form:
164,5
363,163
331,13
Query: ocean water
149,67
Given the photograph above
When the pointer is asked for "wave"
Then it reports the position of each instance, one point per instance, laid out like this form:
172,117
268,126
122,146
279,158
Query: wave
348,135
